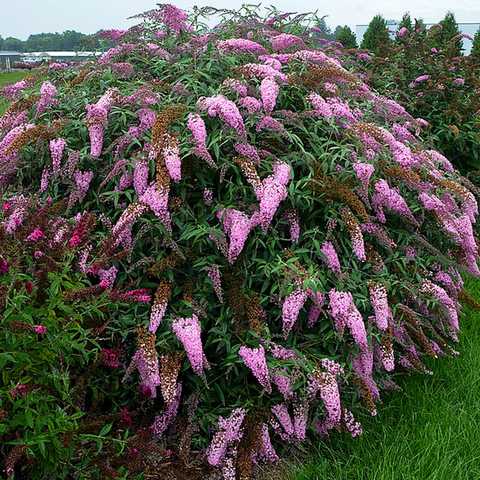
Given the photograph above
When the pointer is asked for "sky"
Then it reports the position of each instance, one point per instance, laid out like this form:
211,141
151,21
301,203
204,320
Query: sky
22,17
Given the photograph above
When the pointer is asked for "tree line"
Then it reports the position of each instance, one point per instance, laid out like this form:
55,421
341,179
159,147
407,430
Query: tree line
69,40
443,36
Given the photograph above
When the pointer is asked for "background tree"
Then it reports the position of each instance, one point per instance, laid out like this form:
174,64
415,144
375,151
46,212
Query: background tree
476,46
14,44
72,40
346,37
69,40
446,36
377,37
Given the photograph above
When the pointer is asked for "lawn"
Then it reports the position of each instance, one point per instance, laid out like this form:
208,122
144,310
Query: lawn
431,431
5,79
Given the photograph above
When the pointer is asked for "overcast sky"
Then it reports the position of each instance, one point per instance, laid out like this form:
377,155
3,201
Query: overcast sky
20,18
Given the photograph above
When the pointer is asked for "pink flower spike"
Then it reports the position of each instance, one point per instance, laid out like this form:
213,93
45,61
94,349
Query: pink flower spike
171,154
48,92
363,171
140,177
331,257
330,396
4,266
215,277
107,277
229,431
237,226
266,451
437,292
240,45
269,92
188,332
254,359
353,427
294,225
163,421
271,192
345,314
287,429
250,104
283,384
36,235
145,360
283,41
57,146
292,305
110,357
158,202
300,419
226,110
363,367
379,301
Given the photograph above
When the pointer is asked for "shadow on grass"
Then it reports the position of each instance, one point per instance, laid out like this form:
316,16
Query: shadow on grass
430,431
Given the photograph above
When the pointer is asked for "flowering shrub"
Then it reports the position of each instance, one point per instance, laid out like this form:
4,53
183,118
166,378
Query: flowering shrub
266,240
436,84
62,359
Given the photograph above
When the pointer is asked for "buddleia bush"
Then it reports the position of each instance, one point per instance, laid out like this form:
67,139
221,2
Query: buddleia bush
274,241
433,81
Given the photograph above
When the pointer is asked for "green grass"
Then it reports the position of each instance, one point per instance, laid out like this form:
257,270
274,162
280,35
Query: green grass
11,77
5,79
430,431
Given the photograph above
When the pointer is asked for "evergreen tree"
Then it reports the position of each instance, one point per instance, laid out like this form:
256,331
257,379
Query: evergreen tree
443,36
476,46
376,37
345,36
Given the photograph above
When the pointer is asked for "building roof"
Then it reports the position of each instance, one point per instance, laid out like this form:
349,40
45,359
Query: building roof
61,54
6,53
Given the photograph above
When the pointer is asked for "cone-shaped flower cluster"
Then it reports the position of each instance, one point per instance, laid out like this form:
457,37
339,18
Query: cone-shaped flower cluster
188,331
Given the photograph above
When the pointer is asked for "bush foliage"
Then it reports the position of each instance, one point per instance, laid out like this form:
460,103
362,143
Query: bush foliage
215,242
433,82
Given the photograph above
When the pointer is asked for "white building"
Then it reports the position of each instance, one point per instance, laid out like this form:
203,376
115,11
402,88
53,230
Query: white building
59,56
467,28
7,59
